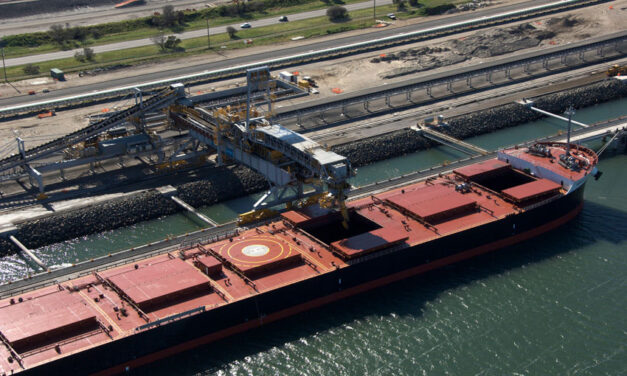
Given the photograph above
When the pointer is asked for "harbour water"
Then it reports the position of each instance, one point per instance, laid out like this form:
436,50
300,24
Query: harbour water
550,306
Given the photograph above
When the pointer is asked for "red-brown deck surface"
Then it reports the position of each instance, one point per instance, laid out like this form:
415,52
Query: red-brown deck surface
531,190
259,253
270,256
370,241
301,217
46,317
159,282
552,164
434,202
481,168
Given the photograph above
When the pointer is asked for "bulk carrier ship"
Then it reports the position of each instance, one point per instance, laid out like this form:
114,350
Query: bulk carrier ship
118,319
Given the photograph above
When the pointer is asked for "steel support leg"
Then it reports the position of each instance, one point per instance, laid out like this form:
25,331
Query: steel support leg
321,116
449,86
387,101
429,91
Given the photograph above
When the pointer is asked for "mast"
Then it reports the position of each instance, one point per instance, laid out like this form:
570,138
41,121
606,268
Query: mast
570,112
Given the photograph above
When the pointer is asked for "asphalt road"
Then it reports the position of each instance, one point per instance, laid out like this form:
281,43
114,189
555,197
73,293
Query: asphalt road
91,16
191,69
186,35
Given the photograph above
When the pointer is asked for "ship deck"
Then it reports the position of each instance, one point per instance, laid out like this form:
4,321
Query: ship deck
56,321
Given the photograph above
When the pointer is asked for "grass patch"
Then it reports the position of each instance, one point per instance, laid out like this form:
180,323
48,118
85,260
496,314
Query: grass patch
139,30
267,35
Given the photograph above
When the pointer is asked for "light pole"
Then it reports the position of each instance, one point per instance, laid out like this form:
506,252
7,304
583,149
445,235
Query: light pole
4,67
374,9
3,44
208,38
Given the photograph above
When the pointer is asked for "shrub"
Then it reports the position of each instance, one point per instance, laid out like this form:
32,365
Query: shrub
31,69
96,33
340,29
172,43
440,9
400,5
79,56
414,3
337,13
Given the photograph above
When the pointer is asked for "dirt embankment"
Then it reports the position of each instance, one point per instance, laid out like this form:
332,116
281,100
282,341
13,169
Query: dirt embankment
488,43
470,48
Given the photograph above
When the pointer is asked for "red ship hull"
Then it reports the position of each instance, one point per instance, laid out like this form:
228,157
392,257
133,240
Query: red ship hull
127,316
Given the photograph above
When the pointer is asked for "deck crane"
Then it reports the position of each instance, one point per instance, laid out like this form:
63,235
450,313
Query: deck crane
289,161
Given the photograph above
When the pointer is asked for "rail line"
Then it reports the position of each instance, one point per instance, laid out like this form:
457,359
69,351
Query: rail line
311,56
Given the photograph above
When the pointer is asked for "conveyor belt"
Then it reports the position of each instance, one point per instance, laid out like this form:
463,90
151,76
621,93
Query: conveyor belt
162,98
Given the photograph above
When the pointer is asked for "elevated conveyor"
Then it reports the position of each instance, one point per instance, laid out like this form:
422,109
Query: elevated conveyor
163,98
285,158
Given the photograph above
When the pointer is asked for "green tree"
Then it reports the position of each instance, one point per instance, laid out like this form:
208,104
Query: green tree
159,41
169,17
79,34
337,13
89,53
58,34
231,31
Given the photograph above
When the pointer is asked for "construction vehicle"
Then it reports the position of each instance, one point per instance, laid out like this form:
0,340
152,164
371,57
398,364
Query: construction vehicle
46,114
617,70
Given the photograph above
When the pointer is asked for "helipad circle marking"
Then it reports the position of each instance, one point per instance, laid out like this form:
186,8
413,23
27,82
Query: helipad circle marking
255,250
234,248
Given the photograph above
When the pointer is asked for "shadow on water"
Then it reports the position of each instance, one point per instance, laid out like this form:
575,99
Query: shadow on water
403,298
